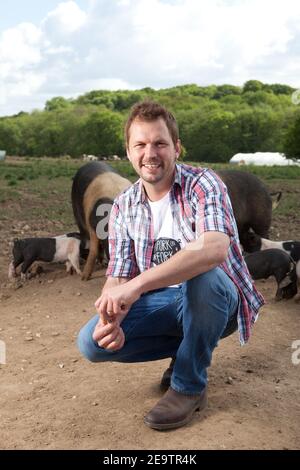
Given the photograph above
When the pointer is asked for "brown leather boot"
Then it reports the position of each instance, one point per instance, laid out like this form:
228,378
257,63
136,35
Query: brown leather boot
175,409
166,378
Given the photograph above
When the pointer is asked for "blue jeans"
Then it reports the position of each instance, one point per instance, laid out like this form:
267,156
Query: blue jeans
186,322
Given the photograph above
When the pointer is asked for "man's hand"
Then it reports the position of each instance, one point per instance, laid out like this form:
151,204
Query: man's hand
109,336
113,306
115,302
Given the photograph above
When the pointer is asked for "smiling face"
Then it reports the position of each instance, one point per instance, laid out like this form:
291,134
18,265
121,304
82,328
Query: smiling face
153,155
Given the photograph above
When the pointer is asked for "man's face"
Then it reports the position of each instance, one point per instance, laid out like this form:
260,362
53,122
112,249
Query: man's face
152,151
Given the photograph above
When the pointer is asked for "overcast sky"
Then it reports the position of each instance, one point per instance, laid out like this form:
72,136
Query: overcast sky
65,48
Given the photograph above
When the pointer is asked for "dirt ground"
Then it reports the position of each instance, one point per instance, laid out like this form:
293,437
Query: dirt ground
51,398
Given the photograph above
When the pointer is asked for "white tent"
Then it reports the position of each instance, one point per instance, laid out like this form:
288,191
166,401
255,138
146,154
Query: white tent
262,158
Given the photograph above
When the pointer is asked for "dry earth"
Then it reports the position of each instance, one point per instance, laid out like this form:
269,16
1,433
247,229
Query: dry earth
51,398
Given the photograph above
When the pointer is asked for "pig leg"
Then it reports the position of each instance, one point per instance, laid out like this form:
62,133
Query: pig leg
27,263
13,266
69,268
74,262
11,271
93,253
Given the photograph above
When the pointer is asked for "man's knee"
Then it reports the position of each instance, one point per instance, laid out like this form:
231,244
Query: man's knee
206,283
88,348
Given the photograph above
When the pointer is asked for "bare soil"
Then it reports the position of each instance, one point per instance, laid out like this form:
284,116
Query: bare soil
52,398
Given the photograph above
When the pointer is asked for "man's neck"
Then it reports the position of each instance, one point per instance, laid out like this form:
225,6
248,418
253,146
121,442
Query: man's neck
157,191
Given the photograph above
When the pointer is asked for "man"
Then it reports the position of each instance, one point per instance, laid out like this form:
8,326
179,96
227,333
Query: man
176,279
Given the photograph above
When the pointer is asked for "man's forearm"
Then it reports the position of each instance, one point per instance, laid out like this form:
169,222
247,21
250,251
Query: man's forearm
114,281
183,266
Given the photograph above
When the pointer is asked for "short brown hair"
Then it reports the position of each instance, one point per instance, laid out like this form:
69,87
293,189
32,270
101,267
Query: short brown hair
150,111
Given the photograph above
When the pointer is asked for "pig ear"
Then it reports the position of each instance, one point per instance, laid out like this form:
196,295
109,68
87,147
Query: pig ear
285,282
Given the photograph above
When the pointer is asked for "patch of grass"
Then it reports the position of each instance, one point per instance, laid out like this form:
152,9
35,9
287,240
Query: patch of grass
7,194
125,168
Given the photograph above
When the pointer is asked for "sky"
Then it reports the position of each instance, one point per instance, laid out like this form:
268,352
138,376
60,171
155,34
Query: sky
66,48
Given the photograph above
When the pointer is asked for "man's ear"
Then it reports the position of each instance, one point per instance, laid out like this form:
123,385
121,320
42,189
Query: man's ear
178,148
127,153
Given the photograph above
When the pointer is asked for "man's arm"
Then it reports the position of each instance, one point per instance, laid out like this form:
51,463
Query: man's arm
197,257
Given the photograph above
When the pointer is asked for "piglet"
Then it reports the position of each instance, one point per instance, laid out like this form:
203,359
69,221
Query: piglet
277,263
256,243
64,248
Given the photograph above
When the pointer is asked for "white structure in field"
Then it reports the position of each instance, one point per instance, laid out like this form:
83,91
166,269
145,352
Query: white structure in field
262,158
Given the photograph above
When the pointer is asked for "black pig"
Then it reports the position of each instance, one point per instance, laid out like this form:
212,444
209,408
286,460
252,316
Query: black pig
251,202
277,263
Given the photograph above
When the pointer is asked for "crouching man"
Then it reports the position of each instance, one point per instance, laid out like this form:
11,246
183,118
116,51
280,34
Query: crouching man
176,279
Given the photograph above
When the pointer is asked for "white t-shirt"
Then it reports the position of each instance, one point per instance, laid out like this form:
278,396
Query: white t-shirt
167,235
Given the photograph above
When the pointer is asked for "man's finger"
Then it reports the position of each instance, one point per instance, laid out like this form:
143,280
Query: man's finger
108,339
101,330
105,318
102,310
98,302
118,343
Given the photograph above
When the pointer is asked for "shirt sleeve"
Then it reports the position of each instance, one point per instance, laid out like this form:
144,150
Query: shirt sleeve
122,260
213,210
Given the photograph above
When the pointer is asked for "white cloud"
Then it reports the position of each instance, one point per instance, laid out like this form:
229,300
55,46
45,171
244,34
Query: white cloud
158,43
19,47
65,19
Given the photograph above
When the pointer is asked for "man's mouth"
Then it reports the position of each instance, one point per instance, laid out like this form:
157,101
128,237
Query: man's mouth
151,165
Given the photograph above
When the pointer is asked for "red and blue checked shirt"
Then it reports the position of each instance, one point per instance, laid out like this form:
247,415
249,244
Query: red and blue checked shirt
199,203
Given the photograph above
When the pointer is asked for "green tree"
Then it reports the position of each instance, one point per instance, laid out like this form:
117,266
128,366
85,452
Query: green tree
57,103
291,145
102,134
252,85
279,89
225,90
207,136
10,136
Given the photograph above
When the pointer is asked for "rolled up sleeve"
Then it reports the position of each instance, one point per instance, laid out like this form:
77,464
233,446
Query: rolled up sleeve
213,210
122,262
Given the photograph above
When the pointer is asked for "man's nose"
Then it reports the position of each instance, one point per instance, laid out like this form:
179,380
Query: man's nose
150,151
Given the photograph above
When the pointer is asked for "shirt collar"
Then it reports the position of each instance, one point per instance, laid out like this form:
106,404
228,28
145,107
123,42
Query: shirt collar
140,194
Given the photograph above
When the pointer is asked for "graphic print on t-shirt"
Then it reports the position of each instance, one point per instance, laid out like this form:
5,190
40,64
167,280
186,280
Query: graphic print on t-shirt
163,249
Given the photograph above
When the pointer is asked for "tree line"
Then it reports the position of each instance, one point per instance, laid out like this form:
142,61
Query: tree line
215,122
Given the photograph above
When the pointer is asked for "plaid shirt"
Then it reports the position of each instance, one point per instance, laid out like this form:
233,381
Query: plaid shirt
199,203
